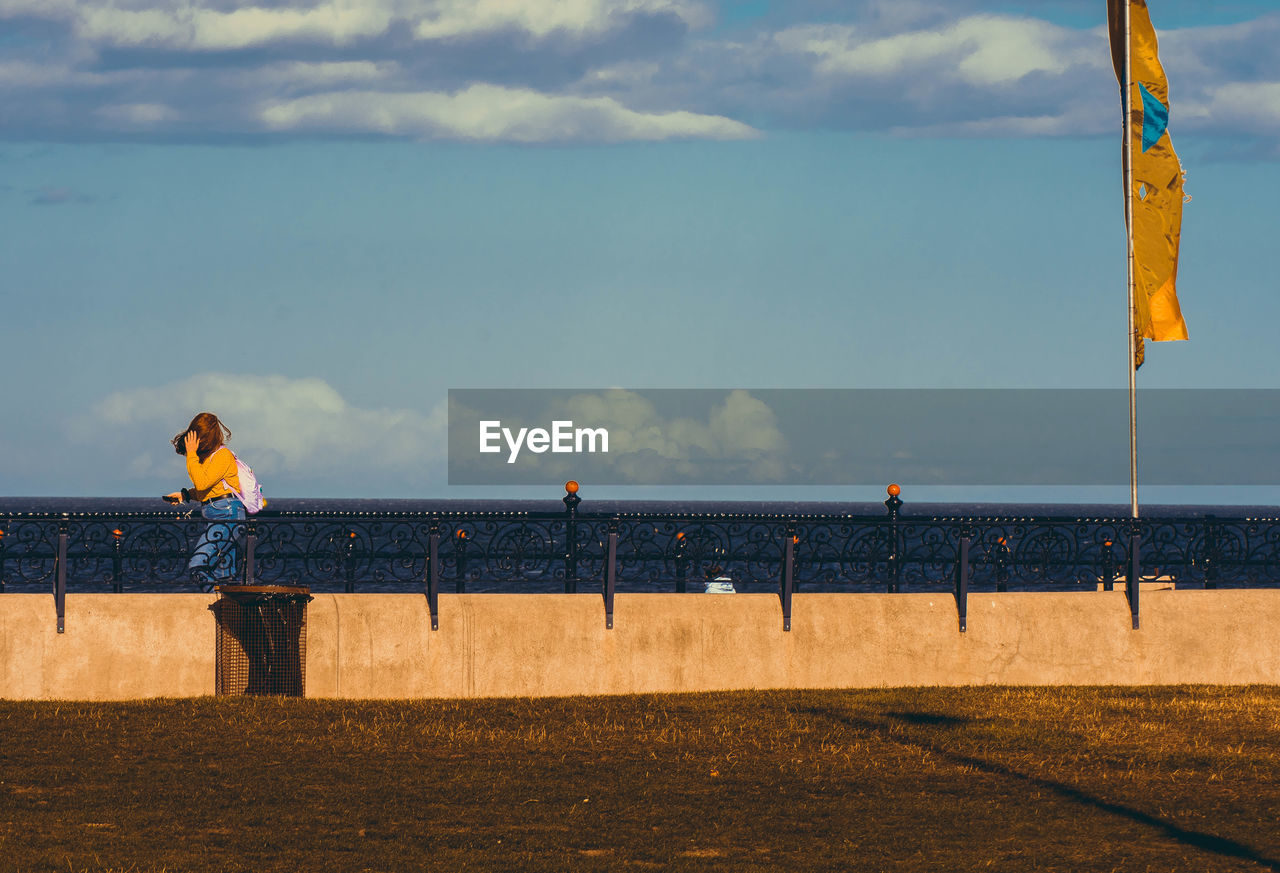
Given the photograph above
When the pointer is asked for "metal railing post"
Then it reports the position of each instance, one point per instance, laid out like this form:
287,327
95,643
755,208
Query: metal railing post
894,504
1108,568
250,547
571,501
433,574
1,561
349,563
611,573
787,583
1002,566
60,574
682,564
117,562
795,563
1211,552
460,551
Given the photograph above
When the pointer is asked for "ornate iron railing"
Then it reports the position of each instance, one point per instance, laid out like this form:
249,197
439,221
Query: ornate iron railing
655,551
526,551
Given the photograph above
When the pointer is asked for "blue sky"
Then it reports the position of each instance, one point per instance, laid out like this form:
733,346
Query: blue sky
316,217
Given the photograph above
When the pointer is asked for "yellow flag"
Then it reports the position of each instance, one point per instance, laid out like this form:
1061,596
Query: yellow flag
1156,193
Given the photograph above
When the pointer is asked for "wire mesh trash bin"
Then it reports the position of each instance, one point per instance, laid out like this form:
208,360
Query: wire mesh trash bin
262,640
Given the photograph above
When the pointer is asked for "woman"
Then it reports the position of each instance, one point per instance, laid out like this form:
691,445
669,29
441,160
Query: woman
212,469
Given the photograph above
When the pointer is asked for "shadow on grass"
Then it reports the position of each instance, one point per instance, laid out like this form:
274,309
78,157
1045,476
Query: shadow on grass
1197,839
930,719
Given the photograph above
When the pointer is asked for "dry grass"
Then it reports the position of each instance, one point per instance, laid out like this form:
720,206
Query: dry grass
921,779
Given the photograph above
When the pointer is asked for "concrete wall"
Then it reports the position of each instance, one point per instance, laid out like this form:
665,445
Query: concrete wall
123,646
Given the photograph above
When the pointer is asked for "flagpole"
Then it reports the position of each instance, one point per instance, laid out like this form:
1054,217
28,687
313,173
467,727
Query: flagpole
1128,222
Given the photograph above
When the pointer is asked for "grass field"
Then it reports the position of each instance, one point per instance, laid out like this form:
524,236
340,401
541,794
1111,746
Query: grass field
1082,779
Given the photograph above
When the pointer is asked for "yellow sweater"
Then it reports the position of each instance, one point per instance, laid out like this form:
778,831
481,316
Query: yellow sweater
208,476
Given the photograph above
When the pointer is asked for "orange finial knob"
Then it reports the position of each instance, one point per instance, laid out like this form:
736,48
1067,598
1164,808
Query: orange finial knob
571,487
679,535
117,533
462,534
894,490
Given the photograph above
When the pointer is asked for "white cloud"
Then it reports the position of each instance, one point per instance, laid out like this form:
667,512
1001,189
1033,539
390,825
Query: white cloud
203,26
491,113
299,428
21,74
338,22
739,440
983,50
595,70
540,18
624,74
37,8
1073,120
307,74
142,114
1251,104
24,74
732,438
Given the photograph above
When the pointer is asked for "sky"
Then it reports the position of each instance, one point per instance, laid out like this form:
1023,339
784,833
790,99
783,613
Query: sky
314,218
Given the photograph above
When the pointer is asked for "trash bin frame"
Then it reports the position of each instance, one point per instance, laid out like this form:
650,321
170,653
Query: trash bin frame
261,640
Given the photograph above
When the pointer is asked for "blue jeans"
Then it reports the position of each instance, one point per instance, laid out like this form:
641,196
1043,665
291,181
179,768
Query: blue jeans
214,559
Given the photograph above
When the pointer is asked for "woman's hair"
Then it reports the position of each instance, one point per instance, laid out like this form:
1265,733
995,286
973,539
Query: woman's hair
212,432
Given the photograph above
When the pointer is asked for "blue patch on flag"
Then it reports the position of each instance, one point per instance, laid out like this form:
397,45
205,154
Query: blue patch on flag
1155,118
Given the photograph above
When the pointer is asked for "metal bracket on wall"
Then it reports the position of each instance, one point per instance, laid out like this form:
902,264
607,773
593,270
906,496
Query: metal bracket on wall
433,575
611,573
962,578
60,575
788,581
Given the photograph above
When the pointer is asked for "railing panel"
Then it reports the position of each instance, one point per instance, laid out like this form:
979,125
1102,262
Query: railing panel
656,551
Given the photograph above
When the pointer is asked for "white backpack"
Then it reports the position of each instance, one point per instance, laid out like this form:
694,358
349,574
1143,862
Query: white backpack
250,493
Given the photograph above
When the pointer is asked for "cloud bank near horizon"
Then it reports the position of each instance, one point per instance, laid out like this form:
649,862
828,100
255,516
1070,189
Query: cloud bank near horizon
594,71
289,430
